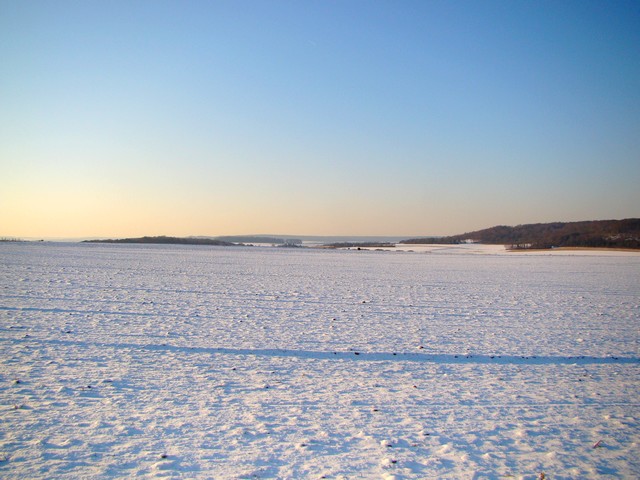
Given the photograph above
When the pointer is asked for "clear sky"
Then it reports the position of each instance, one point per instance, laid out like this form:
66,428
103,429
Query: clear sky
350,117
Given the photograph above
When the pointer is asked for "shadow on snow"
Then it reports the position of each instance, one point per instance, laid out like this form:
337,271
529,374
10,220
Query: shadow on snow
353,355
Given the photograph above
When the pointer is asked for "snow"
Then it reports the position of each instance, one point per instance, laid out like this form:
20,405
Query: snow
158,361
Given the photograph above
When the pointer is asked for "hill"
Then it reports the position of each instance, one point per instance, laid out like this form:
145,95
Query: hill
596,233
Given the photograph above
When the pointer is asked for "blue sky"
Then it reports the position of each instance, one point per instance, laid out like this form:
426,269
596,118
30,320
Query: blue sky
315,117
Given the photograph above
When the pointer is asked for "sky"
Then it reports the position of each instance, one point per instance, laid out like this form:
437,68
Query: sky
348,117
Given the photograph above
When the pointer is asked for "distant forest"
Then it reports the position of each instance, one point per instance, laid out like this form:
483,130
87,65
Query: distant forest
167,240
596,233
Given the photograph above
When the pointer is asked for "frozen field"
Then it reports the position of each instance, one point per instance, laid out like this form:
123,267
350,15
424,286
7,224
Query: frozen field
204,362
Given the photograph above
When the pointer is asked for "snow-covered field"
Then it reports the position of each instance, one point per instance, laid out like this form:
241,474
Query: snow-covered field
203,362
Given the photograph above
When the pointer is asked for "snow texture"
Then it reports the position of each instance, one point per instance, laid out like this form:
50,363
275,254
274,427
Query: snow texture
204,362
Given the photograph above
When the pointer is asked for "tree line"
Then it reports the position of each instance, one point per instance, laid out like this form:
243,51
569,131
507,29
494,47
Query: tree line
595,233
166,240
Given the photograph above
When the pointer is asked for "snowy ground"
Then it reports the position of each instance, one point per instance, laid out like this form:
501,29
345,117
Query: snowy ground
205,362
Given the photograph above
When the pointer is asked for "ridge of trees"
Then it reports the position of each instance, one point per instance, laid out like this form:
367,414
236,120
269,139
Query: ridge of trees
594,233
167,240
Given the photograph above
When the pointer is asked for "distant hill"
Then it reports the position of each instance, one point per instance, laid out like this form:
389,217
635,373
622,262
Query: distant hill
595,233
167,240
